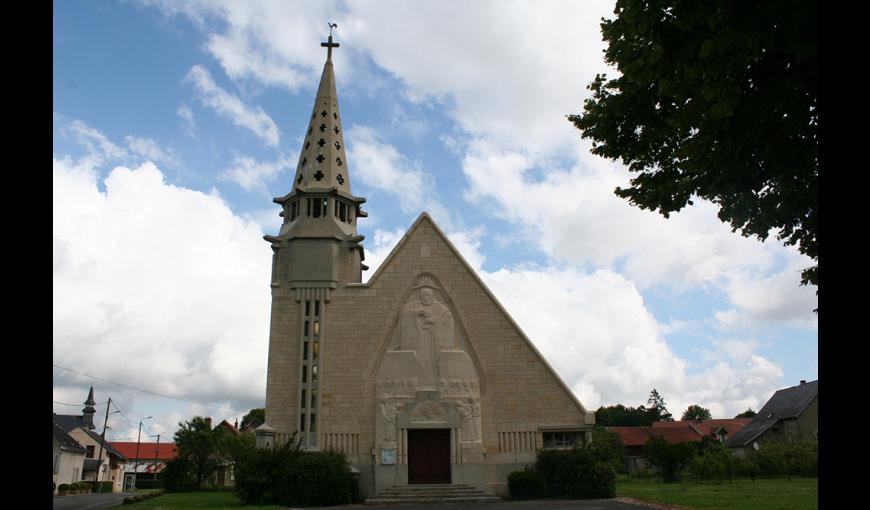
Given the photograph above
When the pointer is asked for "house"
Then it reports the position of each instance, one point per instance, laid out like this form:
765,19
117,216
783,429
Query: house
103,464
791,413
152,458
224,475
634,438
69,458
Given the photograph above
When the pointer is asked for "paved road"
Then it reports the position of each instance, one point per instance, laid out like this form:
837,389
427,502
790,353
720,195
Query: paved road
89,501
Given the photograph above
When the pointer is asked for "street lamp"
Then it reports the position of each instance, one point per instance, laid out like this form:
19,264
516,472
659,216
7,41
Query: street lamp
136,469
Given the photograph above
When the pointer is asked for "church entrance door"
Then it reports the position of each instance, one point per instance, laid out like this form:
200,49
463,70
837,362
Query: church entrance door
429,456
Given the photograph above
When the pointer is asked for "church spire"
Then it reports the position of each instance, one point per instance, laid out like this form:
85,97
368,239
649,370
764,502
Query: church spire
322,160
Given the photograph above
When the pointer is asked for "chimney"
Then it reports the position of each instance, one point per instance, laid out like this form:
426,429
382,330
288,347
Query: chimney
803,381
208,421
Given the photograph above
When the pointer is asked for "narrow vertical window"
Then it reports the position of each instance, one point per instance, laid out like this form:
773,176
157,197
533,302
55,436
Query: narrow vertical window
316,328
304,373
304,351
317,308
313,399
303,405
302,422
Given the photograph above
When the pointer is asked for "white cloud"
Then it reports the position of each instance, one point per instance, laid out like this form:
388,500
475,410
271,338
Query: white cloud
152,151
99,147
151,275
252,175
186,115
596,332
231,107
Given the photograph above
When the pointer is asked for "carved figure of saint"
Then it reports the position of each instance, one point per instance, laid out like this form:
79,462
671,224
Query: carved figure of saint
469,413
389,415
426,327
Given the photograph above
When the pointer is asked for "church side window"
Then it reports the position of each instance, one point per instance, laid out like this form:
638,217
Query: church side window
566,439
310,366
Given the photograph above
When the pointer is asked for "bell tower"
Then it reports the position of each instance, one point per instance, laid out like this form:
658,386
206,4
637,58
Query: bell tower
316,251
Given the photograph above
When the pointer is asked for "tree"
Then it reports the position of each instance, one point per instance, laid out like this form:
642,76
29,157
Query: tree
200,448
748,413
657,409
696,412
621,416
257,413
671,459
715,99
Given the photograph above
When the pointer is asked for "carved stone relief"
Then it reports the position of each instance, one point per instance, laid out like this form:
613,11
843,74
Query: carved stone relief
429,375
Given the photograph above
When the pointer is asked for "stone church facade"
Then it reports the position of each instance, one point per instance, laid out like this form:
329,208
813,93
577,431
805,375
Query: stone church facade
418,375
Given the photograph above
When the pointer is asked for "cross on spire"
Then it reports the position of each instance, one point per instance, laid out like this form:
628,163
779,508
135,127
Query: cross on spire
329,45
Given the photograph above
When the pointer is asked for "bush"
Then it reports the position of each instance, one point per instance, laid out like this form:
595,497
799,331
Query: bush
716,462
100,486
288,477
178,476
575,474
527,484
671,459
149,484
789,458
64,487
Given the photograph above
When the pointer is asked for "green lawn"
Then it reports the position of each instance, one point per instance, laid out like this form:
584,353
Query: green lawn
778,494
196,501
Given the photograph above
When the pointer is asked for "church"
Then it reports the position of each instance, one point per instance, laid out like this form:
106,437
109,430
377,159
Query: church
419,375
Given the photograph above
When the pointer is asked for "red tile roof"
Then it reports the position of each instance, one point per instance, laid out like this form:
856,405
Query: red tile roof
147,451
678,431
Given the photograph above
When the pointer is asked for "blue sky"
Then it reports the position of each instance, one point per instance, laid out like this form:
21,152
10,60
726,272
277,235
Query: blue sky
176,123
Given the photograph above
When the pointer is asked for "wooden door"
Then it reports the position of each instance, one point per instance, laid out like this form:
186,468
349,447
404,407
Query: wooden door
429,456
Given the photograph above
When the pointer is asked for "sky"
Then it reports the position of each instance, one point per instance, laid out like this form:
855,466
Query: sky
175,124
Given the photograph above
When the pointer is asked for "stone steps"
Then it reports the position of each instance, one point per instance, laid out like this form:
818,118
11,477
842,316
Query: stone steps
431,493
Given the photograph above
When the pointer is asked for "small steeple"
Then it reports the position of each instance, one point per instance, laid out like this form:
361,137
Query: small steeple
88,411
322,160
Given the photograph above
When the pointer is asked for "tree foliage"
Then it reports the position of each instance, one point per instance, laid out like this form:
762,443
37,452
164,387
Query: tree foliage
657,408
670,459
748,413
201,449
621,416
696,412
715,99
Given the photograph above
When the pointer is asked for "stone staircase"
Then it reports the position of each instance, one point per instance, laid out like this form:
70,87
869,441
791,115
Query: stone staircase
432,493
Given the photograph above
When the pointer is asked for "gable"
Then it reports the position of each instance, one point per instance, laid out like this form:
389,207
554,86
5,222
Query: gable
502,351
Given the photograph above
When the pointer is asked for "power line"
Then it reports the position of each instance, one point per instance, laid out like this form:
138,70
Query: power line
76,405
146,391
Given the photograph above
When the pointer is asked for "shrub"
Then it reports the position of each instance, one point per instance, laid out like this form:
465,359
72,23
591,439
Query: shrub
671,459
575,474
527,484
178,476
776,458
100,486
149,484
716,462
288,477
64,487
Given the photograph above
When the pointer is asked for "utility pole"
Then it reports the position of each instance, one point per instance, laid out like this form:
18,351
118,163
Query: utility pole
102,440
136,469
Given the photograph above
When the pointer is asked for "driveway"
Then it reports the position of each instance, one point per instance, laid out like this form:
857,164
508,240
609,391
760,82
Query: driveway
89,501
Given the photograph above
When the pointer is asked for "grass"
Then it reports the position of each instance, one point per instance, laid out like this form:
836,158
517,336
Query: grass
195,501
741,494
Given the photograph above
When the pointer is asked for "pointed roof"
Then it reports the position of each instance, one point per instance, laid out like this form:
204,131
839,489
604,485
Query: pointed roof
90,402
322,163
784,404
425,218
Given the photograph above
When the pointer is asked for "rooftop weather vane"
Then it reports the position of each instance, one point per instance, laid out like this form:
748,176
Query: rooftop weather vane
329,45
